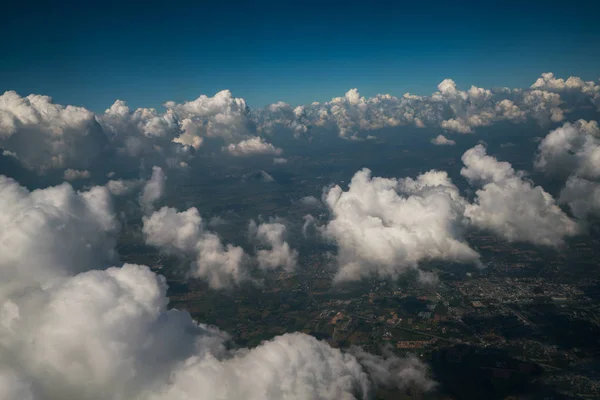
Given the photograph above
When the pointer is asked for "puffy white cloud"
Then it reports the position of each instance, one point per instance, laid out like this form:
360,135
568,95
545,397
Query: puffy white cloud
221,116
511,206
292,366
81,346
75,174
145,122
278,252
385,226
479,167
441,140
574,84
99,334
43,135
543,106
571,149
174,135
389,370
147,134
192,135
280,160
108,335
447,88
508,110
53,232
281,117
184,233
70,330
122,187
582,196
153,190
456,125
253,146
352,113
449,108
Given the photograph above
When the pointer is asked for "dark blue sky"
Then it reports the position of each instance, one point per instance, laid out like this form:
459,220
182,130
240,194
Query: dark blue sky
147,52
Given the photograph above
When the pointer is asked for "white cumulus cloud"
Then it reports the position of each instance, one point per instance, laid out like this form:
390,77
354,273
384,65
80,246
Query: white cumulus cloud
511,206
385,226
252,146
278,252
184,233
573,151
573,148
441,140
43,135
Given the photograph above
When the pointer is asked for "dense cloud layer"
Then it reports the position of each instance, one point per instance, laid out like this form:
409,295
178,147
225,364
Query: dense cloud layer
71,329
588,91
44,135
449,108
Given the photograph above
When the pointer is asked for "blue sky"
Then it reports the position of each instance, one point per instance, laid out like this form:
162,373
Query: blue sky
148,52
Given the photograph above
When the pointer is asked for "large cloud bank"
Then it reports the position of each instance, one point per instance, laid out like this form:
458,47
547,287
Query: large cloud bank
43,135
72,328
450,108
